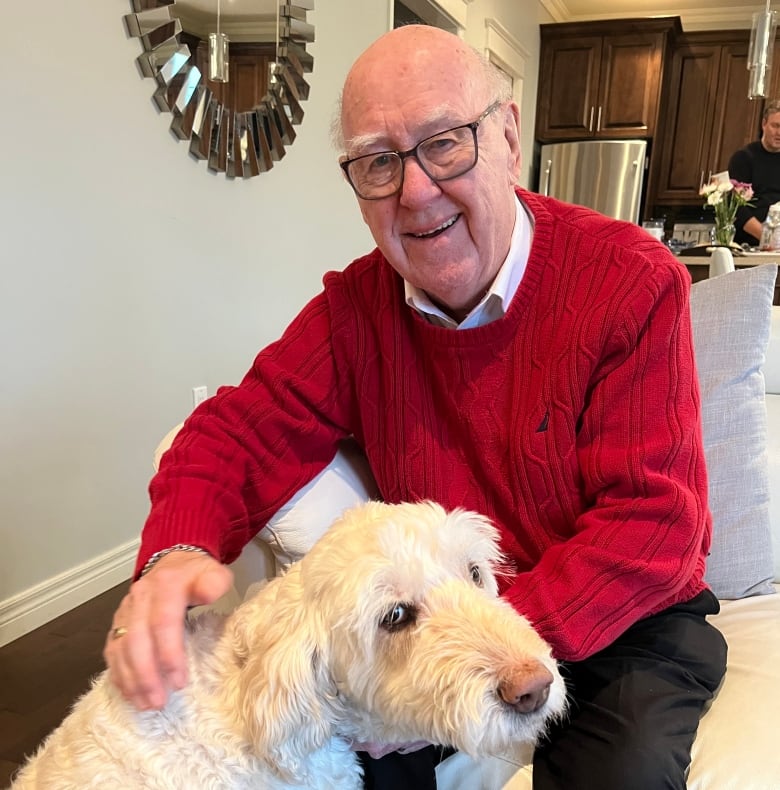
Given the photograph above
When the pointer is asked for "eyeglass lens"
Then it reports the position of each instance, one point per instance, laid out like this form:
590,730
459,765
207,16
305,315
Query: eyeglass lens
445,155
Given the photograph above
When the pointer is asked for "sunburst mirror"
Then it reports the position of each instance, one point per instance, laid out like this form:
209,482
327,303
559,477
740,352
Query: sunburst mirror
239,125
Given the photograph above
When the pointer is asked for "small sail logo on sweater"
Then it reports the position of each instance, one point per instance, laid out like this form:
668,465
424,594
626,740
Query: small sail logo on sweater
544,423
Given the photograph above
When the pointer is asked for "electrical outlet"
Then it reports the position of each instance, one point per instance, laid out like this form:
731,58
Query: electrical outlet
199,394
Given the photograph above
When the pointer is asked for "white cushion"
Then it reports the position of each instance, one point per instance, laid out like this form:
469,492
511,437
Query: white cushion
164,444
772,364
736,746
731,317
773,458
297,525
460,772
305,517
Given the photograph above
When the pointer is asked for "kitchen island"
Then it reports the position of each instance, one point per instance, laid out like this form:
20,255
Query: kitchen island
699,265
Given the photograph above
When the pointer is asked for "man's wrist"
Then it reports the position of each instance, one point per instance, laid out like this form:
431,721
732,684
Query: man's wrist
158,555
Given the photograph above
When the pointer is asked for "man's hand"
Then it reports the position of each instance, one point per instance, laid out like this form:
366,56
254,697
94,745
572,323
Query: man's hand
144,650
753,227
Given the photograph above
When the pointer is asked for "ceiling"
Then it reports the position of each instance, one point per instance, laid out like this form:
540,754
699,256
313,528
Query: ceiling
695,14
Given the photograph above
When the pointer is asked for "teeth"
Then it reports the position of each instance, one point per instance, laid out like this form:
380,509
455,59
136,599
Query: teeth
443,226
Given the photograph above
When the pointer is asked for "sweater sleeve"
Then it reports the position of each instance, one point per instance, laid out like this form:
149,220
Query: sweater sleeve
643,530
243,453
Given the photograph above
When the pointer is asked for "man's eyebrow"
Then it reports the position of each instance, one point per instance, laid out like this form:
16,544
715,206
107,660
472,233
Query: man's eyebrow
362,143
436,121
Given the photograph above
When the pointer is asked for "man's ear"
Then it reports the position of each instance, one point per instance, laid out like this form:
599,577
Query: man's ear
512,135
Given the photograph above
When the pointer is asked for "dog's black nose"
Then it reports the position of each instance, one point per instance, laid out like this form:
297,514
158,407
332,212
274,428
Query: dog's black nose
527,687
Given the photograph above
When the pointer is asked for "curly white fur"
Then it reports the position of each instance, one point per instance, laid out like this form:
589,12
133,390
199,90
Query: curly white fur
389,630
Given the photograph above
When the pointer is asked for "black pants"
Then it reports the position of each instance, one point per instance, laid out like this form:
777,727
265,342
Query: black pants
634,709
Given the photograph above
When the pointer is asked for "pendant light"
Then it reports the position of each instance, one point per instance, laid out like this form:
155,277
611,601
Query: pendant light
762,41
273,65
218,51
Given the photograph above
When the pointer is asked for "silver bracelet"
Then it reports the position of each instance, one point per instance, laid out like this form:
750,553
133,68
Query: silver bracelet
158,555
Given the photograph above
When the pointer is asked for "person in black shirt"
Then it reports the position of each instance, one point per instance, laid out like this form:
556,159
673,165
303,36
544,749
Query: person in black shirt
758,163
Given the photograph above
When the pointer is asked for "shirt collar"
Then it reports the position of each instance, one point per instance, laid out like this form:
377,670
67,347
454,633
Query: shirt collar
498,297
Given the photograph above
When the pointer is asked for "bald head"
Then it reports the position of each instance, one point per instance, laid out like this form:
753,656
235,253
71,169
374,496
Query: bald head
410,60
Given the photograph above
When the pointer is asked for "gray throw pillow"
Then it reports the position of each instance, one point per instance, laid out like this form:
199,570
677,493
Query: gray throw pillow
731,317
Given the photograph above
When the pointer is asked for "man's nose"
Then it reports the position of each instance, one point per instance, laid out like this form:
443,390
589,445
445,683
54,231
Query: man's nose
418,186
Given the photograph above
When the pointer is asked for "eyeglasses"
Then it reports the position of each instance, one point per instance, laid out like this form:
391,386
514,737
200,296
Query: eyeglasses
443,156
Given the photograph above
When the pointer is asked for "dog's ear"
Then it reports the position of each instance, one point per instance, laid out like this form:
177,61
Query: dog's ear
285,693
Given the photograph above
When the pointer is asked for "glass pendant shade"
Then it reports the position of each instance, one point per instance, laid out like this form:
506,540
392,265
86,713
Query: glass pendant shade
218,57
762,38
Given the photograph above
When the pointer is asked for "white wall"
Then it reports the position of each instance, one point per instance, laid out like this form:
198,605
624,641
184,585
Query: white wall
130,274
521,23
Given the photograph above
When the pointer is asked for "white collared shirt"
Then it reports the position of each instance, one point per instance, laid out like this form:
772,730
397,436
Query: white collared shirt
496,301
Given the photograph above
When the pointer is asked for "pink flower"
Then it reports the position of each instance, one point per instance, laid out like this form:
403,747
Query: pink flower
725,197
745,190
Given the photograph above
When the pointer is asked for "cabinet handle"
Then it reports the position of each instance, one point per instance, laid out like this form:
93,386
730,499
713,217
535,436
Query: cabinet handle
598,122
590,123
546,178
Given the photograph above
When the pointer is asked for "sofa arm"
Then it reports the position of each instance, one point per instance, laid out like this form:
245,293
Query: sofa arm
296,526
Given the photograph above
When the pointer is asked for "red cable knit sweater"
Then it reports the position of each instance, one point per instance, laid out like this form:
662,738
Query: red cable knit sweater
573,422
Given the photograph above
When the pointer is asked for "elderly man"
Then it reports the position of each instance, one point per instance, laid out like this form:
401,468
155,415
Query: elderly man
498,351
758,163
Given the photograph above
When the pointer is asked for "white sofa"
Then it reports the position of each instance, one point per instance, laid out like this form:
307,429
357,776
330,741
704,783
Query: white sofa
737,747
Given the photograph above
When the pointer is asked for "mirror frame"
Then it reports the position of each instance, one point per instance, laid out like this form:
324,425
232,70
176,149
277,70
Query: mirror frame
239,144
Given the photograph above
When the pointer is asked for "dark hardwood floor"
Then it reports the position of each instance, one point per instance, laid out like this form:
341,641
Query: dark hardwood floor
43,672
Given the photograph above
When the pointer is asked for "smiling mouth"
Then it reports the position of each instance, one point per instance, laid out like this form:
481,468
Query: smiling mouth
436,231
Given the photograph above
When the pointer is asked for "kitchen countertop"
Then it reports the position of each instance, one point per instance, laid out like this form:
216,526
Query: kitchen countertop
748,259
698,266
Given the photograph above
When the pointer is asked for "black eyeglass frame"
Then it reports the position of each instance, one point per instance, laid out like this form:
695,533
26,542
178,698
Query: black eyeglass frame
402,155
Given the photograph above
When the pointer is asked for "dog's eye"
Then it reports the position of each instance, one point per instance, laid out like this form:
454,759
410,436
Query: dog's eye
400,616
476,576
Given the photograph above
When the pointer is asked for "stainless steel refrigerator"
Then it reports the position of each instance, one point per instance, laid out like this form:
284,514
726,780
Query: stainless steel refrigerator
606,175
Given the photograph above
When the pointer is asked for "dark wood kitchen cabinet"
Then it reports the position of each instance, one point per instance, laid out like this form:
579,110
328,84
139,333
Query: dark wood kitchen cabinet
707,115
601,79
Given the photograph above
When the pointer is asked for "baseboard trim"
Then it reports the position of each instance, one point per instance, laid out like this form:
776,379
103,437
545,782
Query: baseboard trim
37,605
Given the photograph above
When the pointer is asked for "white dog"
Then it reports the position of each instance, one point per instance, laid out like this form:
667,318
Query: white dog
389,630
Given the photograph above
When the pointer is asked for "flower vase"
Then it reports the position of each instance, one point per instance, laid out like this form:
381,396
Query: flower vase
723,235
721,261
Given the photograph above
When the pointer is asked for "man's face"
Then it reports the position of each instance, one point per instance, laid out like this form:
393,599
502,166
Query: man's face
770,127
447,238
